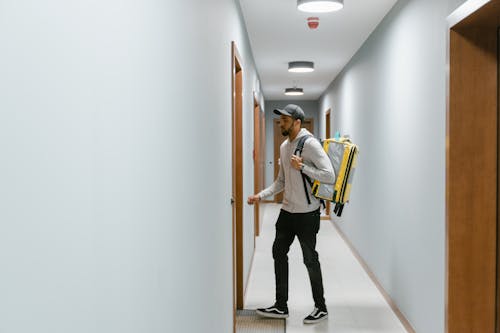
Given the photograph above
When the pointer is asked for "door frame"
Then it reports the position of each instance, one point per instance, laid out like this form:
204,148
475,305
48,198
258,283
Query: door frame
257,163
263,153
237,177
472,168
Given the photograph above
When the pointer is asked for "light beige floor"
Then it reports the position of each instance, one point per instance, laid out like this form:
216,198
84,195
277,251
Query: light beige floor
354,303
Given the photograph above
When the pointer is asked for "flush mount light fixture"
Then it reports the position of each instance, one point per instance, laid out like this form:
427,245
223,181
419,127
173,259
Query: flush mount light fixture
294,91
301,66
320,6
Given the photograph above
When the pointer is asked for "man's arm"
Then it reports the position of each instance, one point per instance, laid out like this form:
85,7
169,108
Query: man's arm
275,188
321,169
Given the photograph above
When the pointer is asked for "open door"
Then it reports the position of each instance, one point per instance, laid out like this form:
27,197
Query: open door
472,169
237,180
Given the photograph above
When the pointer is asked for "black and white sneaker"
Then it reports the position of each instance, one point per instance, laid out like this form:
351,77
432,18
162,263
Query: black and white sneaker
316,316
273,312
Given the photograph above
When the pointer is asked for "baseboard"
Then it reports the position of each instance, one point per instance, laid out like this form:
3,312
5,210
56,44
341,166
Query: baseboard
372,276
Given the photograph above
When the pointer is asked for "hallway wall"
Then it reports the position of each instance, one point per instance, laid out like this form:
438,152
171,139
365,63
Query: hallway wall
311,111
115,140
391,99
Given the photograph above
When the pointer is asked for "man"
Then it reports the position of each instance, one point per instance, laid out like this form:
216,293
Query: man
299,216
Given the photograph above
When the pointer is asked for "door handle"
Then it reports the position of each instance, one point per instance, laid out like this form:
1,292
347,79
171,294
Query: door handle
232,200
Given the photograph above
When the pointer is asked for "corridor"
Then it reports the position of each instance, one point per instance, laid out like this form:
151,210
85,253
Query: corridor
355,304
133,132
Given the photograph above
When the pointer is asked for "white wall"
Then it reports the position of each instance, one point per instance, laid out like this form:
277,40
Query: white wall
391,99
311,111
115,140
251,86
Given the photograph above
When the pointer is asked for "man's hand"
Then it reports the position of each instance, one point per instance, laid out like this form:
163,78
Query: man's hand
296,162
253,199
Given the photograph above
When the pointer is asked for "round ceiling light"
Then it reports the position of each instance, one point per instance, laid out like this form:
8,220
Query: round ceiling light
301,66
294,91
320,6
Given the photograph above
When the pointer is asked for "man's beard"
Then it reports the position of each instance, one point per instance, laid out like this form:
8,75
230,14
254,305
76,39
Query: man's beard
286,132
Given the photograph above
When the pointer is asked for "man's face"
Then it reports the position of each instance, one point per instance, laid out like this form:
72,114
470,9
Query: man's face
286,124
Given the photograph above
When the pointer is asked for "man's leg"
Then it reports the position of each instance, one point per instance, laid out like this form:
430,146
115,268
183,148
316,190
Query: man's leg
283,240
307,227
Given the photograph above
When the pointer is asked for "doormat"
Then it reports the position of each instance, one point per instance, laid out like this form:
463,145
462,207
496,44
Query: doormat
248,321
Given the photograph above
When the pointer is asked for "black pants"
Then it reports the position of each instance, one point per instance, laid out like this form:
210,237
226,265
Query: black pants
305,226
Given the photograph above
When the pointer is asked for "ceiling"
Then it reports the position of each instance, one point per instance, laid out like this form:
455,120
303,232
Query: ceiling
279,33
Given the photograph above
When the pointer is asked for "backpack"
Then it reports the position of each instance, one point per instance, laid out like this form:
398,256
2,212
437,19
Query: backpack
343,154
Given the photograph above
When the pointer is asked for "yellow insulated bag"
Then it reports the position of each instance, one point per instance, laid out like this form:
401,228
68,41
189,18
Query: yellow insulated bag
343,155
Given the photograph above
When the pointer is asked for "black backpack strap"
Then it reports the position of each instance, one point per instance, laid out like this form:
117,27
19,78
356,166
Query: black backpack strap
300,144
305,178
298,152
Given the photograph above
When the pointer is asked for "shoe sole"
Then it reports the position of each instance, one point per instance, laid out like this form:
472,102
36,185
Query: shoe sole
271,315
314,321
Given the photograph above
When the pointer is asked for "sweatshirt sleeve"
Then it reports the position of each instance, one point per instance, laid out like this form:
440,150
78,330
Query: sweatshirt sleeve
319,167
276,187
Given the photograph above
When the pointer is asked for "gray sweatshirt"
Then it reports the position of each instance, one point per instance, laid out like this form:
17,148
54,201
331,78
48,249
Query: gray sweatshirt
316,165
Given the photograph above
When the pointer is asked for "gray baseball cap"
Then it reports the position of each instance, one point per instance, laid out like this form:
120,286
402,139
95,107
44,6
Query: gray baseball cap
291,110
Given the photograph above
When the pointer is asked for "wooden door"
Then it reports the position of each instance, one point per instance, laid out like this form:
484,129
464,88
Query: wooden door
237,181
278,140
472,170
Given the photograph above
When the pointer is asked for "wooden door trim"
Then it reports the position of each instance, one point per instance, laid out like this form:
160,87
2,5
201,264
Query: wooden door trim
263,155
256,161
237,181
472,169
466,11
